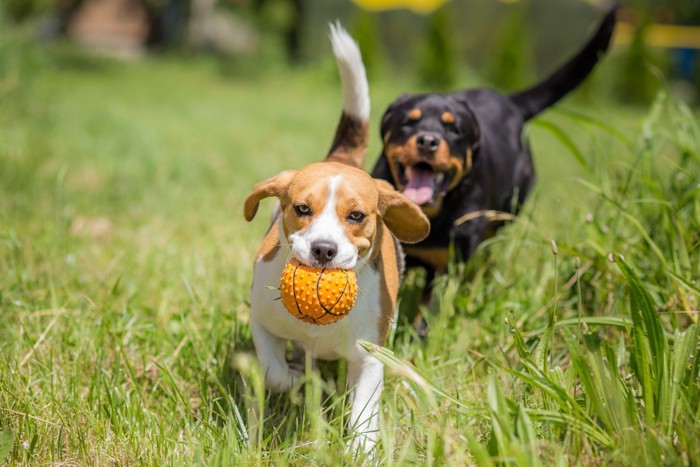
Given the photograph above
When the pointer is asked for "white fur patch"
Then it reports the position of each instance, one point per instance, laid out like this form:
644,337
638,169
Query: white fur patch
352,73
272,326
326,227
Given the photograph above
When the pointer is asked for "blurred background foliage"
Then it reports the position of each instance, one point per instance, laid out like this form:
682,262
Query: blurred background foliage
121,190
505,44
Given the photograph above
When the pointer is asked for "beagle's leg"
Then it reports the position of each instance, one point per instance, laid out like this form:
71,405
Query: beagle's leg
366,380
271,352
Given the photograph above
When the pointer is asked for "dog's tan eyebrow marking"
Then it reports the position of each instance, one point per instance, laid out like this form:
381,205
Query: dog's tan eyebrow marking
415,114
447,117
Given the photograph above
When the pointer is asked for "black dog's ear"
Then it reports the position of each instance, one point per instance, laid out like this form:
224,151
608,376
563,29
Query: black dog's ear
469,121
387,119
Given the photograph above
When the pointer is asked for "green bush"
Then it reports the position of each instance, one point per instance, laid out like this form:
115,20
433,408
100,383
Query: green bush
436,67
510,67
365,33
636,82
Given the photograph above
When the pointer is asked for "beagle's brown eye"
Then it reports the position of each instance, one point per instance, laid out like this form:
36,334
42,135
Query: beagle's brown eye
302,210
356,217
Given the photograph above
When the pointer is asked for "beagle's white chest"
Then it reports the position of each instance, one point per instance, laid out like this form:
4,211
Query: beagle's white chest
329,341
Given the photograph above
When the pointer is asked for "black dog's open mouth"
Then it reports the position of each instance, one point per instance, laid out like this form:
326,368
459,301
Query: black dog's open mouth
423,184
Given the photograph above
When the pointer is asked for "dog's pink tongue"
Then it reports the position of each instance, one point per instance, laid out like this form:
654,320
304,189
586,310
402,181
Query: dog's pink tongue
420,188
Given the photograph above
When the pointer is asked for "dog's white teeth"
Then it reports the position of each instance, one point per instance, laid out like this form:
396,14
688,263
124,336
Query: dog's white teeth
439,178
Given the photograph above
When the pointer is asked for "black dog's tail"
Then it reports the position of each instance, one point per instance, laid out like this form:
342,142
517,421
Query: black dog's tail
534,100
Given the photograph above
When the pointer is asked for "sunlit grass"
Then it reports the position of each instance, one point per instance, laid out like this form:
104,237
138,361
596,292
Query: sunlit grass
125,265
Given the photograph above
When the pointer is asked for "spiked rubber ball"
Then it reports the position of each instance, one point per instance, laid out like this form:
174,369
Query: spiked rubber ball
317,296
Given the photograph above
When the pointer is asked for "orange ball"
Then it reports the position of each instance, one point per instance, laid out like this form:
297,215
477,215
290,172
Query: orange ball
317,296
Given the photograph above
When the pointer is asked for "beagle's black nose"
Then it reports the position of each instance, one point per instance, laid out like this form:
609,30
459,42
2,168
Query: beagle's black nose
427,143
324,251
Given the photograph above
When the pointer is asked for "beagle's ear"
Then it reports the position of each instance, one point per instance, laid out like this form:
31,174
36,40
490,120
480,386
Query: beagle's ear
401,215
274,186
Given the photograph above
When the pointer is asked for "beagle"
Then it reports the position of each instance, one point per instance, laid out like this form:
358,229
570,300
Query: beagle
333,214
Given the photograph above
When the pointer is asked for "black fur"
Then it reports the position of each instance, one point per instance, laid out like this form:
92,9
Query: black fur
485,125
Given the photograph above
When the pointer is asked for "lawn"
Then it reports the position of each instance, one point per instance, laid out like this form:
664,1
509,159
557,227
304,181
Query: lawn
125,264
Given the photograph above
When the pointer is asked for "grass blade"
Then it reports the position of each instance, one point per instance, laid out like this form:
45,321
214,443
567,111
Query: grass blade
412,373
481,455
525,431
583,118
565,140
616,321
573,423
685,345
501,426
6,442
537,380
684,282
650,353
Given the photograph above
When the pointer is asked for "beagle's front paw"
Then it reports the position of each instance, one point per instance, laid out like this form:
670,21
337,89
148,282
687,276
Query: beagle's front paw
363,442
282,379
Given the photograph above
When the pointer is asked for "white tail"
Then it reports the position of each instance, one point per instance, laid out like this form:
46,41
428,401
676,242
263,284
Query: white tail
352,73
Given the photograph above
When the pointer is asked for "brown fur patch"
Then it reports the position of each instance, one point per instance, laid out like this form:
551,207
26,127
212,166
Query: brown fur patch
308,189
433,209
270,244
358,194
386,263
395,154
458,173
408,155
350,142
447,117
274,186
403,218
356,191
415,114
437,257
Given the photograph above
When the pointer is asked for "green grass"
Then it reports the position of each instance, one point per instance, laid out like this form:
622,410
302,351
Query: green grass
125,264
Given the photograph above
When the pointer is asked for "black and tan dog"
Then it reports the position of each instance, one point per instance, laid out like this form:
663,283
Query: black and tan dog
460,155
